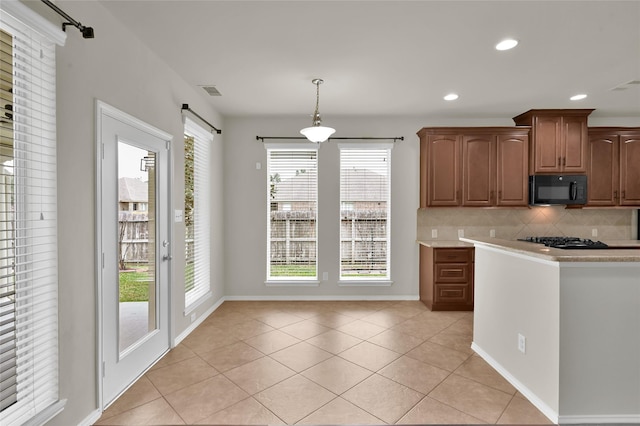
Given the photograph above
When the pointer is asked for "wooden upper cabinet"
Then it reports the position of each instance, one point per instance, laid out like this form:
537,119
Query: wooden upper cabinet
558,139
473,166
443,165
630,169
478,170
603,170
513,169
613,167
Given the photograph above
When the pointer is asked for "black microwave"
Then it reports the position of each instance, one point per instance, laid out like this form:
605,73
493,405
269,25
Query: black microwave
557,189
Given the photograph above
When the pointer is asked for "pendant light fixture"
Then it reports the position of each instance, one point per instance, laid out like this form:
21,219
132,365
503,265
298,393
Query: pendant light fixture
317,132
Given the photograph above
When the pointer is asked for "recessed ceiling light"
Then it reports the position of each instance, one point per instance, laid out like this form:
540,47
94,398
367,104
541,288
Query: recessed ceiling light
578,97
507,44
451,97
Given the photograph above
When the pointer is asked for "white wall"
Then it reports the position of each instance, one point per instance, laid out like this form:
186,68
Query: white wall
117,69
245,203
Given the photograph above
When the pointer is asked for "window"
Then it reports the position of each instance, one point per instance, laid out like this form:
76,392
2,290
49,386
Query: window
364,212
28,221
197,221
292,223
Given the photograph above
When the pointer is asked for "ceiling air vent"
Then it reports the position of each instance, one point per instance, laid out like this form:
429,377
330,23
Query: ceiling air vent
628,85
211,90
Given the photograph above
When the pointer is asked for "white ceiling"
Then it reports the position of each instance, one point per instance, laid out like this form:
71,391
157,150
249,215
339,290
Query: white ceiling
397,58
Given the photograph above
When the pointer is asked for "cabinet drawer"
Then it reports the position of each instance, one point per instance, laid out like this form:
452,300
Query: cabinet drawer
456,255
451,293
452,273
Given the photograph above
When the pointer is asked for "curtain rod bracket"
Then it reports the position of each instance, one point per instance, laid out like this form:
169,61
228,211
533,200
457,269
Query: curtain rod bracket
185,107
87,32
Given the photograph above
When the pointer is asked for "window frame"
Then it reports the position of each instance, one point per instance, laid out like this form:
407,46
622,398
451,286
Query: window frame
383,281
38,390
289,280
203,141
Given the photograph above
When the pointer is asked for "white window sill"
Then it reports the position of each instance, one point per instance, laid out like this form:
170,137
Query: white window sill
365,283
292,283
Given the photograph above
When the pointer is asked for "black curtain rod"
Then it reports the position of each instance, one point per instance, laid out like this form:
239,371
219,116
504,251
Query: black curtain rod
87,32
365,138
185,107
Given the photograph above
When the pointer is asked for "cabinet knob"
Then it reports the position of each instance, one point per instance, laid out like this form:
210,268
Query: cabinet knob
615,194
623,195
564,161
559,161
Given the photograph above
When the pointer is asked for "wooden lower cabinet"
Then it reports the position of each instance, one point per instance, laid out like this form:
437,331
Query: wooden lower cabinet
446,278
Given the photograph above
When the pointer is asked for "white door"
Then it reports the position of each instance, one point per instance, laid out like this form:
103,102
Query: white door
133,220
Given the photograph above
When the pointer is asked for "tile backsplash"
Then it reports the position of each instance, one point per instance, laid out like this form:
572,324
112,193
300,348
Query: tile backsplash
509,224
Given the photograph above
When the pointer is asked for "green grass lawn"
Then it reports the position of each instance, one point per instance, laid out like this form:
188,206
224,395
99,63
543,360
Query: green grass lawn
134,286
293,270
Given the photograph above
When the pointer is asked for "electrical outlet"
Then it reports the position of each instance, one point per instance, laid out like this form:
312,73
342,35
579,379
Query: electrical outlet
434,233
492,233
522,343
460,233
594,232
325,276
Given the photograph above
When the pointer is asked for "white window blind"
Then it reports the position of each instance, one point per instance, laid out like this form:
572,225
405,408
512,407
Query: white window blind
28,221
292,194
197,158
364,212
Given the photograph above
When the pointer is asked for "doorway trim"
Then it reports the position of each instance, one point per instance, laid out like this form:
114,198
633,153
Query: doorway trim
105,110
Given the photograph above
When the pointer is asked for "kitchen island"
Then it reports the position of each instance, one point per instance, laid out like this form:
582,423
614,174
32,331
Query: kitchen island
563,326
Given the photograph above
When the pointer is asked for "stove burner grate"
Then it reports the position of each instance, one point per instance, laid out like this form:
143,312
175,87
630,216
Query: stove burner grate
566,242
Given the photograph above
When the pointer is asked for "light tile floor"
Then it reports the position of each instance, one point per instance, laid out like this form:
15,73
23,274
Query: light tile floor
339,363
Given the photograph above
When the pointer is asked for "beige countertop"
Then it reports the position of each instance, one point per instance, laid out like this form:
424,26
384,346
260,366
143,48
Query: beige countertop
444,243
562,255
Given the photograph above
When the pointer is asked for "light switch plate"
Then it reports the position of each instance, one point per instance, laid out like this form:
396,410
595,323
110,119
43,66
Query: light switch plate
178,216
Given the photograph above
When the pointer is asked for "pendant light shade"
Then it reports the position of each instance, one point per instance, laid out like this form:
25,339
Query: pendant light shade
317,132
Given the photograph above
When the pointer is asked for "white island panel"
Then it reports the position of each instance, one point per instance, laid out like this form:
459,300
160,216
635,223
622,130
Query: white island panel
580,315
600,343
518,295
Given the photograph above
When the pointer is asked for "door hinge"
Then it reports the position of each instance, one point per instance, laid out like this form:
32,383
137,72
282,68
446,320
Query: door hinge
103,369
102,260
102,150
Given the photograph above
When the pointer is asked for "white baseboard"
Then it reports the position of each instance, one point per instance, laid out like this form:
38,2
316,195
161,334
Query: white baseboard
91,418
197,322
320,298
627,420
532,397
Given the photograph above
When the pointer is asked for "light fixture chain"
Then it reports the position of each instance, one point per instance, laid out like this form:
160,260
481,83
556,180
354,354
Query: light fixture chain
316,114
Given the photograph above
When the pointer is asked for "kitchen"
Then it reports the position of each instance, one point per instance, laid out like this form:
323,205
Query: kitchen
535,275
150,88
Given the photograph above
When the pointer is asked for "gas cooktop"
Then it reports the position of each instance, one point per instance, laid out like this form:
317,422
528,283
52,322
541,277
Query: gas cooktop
566,242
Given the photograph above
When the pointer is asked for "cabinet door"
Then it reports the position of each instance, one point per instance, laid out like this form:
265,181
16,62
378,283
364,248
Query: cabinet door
512,170
424,158
478,170
630,170
547,152
444,170
602,170
574,142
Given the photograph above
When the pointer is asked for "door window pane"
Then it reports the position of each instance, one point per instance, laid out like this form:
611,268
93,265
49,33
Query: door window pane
136,243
